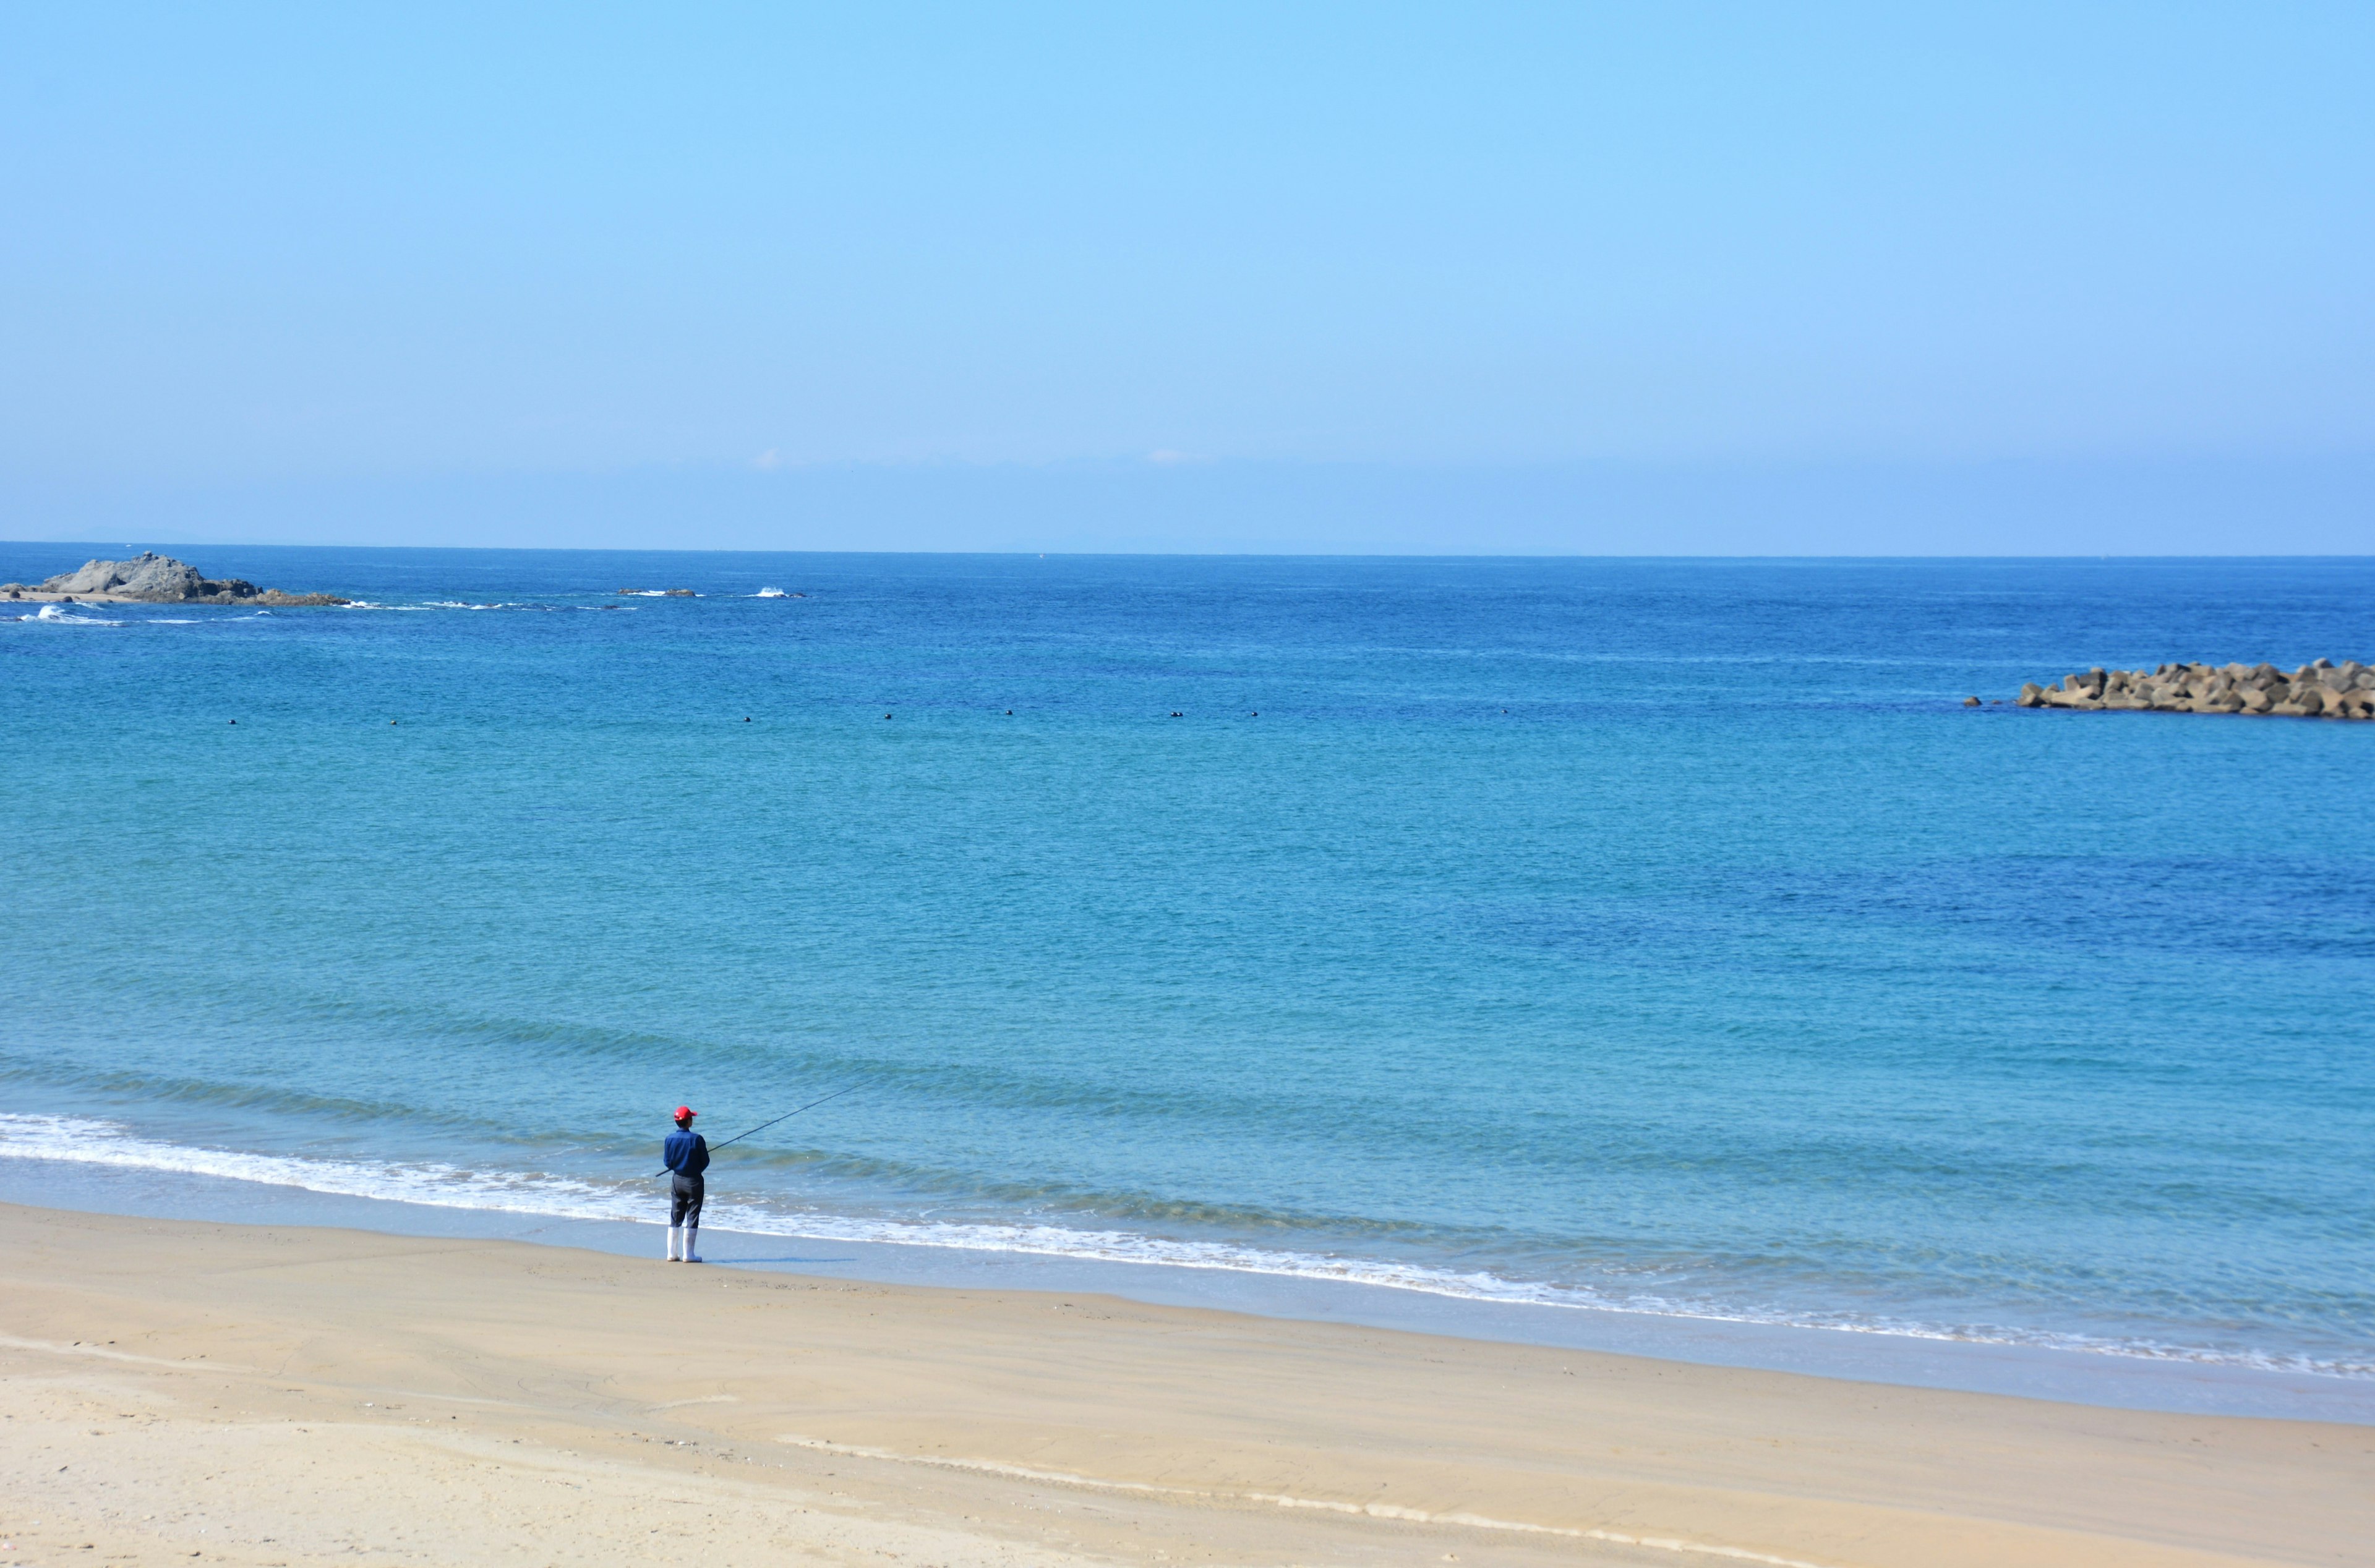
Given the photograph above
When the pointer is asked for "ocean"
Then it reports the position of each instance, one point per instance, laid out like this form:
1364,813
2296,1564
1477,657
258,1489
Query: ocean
1658,938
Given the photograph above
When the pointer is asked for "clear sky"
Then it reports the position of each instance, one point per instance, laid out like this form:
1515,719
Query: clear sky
1750,277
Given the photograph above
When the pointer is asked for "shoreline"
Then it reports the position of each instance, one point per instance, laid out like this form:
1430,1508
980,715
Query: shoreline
283,1395
2170,1384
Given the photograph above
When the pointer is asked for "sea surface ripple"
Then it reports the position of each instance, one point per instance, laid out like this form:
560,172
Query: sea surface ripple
1661,935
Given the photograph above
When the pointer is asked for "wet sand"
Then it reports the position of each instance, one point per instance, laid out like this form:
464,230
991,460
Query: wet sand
286,1395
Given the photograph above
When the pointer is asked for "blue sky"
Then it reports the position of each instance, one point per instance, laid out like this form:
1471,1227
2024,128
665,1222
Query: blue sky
1643,278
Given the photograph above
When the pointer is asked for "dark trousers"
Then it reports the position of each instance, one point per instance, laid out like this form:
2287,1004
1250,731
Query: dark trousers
684,1200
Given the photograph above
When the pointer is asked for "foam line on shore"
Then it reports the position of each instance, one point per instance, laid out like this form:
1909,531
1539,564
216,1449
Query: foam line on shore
1370,1510
51,1346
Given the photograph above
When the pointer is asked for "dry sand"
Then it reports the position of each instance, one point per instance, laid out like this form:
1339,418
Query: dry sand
251,1395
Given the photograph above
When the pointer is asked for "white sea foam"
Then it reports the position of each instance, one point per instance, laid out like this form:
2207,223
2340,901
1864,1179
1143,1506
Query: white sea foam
58,615
86,1140
90,1141
770,594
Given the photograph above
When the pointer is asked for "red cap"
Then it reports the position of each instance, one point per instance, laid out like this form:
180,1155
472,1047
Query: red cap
686,1112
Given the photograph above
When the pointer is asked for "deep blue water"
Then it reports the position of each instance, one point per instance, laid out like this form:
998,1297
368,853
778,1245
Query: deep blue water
1658,934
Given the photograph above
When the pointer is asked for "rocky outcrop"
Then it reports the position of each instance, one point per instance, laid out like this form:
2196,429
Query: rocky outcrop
152,579
2320,691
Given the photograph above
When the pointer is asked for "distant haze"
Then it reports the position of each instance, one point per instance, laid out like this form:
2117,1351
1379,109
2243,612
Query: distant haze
1653,279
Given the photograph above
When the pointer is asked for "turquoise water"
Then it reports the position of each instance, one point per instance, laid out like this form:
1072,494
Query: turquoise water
1656,934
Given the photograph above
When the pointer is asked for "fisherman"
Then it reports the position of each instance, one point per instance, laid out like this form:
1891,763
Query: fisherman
686,1155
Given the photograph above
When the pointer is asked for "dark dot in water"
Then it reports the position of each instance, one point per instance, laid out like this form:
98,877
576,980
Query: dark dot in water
234,721
746,721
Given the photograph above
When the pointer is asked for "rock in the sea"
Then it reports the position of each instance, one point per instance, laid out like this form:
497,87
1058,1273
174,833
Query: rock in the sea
150,578
2320,689
147,575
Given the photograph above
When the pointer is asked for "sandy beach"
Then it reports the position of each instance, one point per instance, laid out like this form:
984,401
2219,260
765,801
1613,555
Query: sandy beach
253,1395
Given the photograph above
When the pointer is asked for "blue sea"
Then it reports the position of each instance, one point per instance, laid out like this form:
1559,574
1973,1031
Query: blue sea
1591,937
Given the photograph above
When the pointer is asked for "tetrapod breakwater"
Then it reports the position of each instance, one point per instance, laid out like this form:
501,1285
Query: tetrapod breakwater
2322,689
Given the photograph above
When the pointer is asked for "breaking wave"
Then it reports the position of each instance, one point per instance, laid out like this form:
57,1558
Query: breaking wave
55,615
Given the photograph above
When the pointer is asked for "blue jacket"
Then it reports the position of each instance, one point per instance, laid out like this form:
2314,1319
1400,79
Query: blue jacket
685,1153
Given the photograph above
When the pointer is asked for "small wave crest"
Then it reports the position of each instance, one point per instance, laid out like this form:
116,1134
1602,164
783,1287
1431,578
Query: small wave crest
58,615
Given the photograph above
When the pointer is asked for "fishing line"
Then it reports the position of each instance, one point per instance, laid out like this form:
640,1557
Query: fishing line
786,1116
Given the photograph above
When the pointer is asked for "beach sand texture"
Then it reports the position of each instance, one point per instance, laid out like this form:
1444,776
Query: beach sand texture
251,1395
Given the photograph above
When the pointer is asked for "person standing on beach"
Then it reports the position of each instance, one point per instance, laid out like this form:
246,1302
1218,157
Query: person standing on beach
686,1155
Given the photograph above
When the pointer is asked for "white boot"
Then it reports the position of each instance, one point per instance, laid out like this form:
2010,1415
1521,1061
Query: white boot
673,1242
691,1255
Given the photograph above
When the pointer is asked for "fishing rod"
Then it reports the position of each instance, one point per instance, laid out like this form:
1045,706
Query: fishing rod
786,1116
